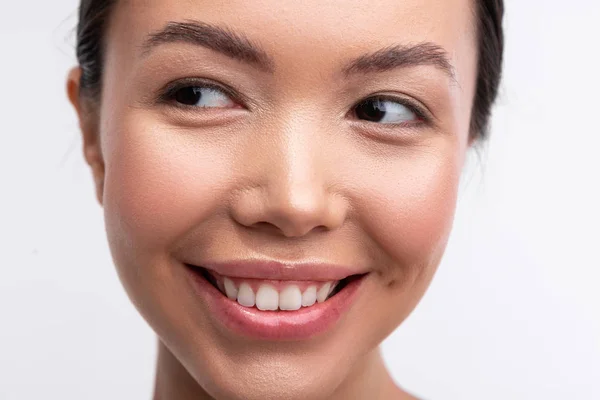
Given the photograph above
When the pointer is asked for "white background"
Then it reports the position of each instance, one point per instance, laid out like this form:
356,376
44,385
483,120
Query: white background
514,312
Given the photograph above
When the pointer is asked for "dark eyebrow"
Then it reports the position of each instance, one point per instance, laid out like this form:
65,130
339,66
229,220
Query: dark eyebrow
216,38
402,56
239,47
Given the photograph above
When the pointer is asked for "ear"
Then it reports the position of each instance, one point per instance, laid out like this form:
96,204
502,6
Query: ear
87,113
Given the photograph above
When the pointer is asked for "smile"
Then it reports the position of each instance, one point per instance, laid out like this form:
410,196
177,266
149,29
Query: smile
270,307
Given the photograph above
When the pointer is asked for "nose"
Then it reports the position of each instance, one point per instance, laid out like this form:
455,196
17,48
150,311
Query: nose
289,178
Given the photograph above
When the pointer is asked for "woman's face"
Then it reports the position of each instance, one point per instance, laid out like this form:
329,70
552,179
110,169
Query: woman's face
287,144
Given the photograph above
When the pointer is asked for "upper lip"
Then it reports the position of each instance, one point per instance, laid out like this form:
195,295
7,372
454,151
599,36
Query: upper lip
276,270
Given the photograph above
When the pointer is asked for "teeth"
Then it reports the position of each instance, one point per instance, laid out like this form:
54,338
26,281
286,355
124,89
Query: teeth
309,297
230,289
267,298
245,295
323,292
333,286
290,298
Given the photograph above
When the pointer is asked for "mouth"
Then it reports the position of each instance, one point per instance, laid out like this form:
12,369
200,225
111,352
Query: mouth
272,295
287,308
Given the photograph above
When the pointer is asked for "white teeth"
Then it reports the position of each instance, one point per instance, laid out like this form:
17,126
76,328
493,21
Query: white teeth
290,298
267,298
309,297
323,292
245,295
230,289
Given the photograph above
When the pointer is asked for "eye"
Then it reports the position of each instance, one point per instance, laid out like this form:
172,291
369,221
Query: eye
385,111
202,96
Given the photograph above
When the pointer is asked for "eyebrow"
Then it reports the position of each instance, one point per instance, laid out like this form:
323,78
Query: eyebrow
222,40
239,47
402,56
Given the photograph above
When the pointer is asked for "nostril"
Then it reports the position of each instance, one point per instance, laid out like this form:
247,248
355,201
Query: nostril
265,226
289,231
320,228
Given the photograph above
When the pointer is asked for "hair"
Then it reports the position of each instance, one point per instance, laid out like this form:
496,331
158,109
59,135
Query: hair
94,16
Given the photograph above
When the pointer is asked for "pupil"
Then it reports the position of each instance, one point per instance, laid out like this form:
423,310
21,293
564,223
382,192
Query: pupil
371,110
189,96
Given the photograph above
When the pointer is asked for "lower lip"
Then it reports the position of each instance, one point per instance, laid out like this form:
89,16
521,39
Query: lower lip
302,324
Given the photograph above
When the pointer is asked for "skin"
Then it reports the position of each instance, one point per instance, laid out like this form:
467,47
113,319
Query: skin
288,176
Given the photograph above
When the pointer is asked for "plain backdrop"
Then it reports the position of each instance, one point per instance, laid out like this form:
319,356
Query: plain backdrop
513,313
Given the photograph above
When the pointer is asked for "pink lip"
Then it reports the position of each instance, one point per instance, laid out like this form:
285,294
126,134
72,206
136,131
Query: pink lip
274,325
274,270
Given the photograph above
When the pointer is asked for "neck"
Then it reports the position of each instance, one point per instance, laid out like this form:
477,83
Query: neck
370,380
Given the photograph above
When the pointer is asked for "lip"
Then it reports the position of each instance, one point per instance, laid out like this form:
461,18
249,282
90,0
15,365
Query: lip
274,270
252,323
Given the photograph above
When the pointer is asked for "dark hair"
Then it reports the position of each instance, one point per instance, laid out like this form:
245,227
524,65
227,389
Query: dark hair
94,16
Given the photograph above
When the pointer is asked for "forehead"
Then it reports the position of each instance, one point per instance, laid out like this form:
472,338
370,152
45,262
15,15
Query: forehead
316,30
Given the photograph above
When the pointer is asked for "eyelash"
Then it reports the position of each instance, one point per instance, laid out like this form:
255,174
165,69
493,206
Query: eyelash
167,96
420,112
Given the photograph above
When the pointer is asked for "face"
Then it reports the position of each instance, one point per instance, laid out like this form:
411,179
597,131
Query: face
251,152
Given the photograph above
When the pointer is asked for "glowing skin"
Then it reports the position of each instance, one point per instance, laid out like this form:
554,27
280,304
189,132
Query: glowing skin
285,172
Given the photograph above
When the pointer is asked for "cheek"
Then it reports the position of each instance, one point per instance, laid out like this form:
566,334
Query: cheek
410,209
159,184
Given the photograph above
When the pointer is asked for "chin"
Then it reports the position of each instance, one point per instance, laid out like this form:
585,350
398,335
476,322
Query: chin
278,377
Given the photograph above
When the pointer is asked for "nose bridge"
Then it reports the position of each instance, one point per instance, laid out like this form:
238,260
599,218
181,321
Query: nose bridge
294,193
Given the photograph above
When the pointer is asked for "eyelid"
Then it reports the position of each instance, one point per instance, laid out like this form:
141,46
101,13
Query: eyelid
421,111
167,93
